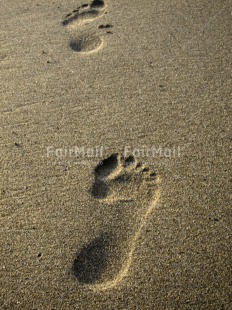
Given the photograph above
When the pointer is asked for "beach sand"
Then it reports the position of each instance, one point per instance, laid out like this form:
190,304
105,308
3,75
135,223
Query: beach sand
115,174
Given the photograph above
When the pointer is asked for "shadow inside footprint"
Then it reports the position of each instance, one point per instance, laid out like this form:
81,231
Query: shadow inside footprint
99,189
85,44
91,262
106,166
103,169
129,161
97,4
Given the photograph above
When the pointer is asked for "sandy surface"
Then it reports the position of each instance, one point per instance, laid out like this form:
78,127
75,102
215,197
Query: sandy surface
126,75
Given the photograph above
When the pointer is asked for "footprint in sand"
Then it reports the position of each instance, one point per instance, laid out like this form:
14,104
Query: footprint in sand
126,193
84,38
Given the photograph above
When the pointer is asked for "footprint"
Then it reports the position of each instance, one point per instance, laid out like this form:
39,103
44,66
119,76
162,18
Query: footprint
85,13
83,38
127,192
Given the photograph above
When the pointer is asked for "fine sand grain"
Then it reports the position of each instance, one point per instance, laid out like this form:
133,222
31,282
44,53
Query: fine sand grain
115,154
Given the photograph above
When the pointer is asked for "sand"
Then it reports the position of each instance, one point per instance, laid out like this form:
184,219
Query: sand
115,157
